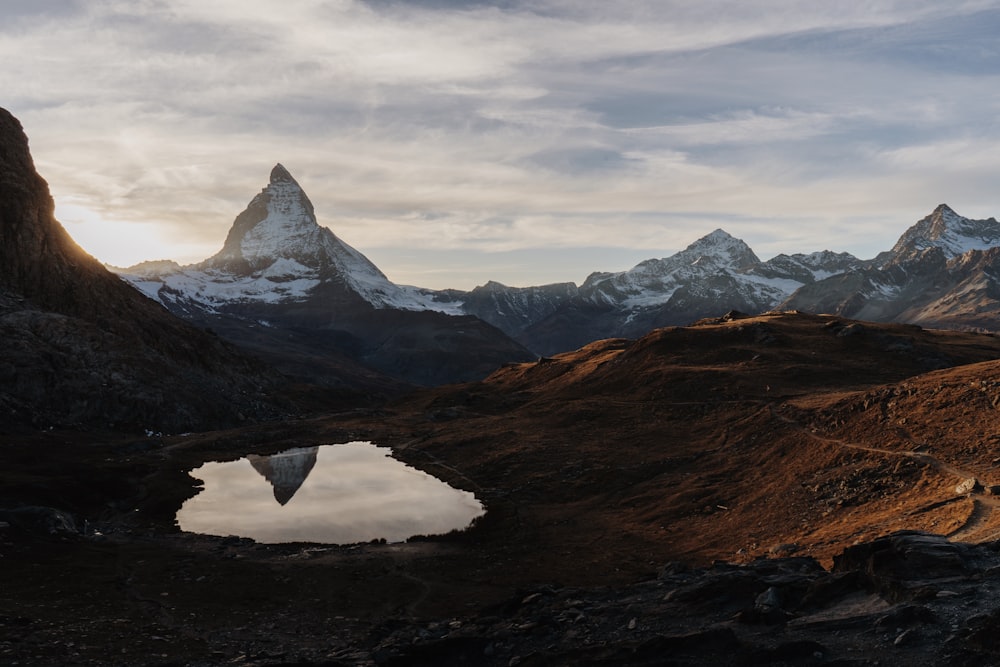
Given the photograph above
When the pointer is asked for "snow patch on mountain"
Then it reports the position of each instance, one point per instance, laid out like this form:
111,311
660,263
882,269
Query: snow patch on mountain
883,289
213,289
284,281
386,294
776,287
284,268
717,258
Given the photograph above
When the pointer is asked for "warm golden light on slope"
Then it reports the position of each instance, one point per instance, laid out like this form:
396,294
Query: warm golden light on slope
125,243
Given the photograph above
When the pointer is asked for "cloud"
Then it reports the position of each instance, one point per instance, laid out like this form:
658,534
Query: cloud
13,12
506,127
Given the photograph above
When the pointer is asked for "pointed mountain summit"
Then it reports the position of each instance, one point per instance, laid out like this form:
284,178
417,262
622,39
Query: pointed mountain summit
277,252
715,274
655,280
282,213
306,301
949,231
721,249
279,174
278,234
940,273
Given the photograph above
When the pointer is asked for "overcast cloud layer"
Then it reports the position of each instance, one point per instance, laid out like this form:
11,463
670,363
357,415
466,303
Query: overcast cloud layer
522,141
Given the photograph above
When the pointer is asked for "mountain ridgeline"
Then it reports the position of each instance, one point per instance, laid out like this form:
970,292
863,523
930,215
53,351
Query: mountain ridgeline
317,309
281,275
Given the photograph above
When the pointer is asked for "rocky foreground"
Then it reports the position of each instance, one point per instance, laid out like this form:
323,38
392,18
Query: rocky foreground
908,598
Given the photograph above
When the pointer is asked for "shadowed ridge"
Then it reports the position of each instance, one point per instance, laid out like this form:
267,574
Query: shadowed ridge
38,259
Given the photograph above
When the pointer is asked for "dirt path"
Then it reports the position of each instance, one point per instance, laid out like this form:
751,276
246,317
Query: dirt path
983,506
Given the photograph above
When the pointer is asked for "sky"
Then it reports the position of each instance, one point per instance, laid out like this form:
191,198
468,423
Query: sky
522,141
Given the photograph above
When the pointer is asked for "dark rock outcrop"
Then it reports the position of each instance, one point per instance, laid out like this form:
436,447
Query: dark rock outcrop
906,598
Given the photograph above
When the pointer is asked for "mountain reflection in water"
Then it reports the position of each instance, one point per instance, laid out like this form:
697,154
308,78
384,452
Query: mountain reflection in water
333,494
285,471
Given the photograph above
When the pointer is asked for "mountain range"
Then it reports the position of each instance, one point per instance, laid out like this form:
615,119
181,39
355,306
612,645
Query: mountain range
316,308
282,276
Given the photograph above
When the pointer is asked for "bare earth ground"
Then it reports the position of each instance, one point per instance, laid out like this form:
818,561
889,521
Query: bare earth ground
775,437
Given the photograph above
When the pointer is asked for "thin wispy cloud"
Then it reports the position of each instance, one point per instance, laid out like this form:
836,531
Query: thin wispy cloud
502,129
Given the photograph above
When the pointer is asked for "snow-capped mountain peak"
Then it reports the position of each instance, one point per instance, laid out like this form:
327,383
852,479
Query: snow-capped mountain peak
717,236
280,174
277,236
720,249
654,282
276,252
289,228
952,233
280,223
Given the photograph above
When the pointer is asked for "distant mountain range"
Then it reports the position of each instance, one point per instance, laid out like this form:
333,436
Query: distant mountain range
281,276
943,272
82,345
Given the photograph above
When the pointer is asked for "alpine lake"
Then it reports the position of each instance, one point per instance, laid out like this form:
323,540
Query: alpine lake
329,494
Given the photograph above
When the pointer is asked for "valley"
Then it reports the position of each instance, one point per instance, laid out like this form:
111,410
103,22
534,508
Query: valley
747,440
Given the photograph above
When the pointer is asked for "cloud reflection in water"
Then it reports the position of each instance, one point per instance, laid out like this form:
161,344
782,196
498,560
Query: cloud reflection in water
334,494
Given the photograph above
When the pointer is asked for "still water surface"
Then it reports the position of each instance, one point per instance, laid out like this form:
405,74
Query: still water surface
333,494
